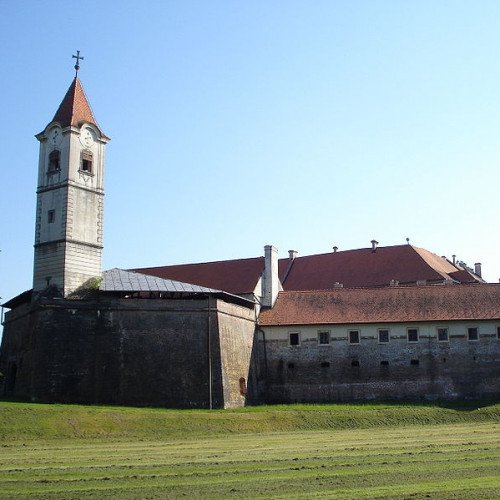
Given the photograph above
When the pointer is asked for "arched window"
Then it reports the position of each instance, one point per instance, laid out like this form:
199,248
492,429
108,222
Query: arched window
55,161
86,161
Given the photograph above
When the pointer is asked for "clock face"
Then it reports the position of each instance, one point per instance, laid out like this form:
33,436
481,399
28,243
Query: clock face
55,137
87,138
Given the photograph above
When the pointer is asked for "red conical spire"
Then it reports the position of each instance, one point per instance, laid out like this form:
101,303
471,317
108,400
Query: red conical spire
75,107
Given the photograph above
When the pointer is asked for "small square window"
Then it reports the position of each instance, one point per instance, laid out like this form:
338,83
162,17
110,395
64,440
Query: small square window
383,336
324,338
325,364
355,362
412,334
384,363
51,216
472,333
414,362
442,334
353,337
294,339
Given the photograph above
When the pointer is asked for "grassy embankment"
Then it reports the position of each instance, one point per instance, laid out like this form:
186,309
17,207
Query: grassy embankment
334,451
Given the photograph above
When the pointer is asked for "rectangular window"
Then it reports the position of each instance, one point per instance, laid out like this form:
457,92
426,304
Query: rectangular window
442,334
54,161
86,162
294,338
51,216
383,336
498,332
472,333
353,337
324,338
412,334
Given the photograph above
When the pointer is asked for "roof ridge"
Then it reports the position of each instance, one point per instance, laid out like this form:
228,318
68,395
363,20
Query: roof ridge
346,251
135,269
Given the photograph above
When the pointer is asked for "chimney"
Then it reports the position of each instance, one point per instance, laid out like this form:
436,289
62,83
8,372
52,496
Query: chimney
394,283
477,269
374,245
335,248
292,254
338,285
270,279
454,257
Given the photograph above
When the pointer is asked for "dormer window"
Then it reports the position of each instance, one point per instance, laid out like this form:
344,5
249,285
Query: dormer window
86,162
54,161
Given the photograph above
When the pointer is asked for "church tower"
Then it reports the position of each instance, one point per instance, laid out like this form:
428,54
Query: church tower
69,211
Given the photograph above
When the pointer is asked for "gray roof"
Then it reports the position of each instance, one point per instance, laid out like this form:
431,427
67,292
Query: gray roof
118,280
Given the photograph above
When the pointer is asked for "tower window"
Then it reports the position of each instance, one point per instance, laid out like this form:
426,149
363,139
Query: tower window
54,161
51,216
86,162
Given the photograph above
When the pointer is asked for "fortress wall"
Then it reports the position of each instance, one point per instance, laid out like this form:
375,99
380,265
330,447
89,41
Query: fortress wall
115,351
340,371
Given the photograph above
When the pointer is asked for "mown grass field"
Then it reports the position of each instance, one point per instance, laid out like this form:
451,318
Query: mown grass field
330,451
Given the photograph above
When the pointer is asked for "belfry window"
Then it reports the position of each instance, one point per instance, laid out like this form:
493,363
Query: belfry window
54,161
86,162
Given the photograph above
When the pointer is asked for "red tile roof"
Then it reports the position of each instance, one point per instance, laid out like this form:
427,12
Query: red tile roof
463,276
385,305
233,276
352,268
75,108
365,268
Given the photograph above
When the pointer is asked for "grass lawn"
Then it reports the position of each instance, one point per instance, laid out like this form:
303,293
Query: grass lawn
250,454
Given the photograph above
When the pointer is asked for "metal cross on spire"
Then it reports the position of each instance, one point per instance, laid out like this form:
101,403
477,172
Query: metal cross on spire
77,65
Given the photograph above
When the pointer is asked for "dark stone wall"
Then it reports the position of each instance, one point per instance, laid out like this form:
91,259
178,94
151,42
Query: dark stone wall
116,351
310,372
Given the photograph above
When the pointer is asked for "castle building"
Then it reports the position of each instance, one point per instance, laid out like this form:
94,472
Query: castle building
395,322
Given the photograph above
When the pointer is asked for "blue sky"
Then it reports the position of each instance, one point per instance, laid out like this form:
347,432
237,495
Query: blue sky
238,124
